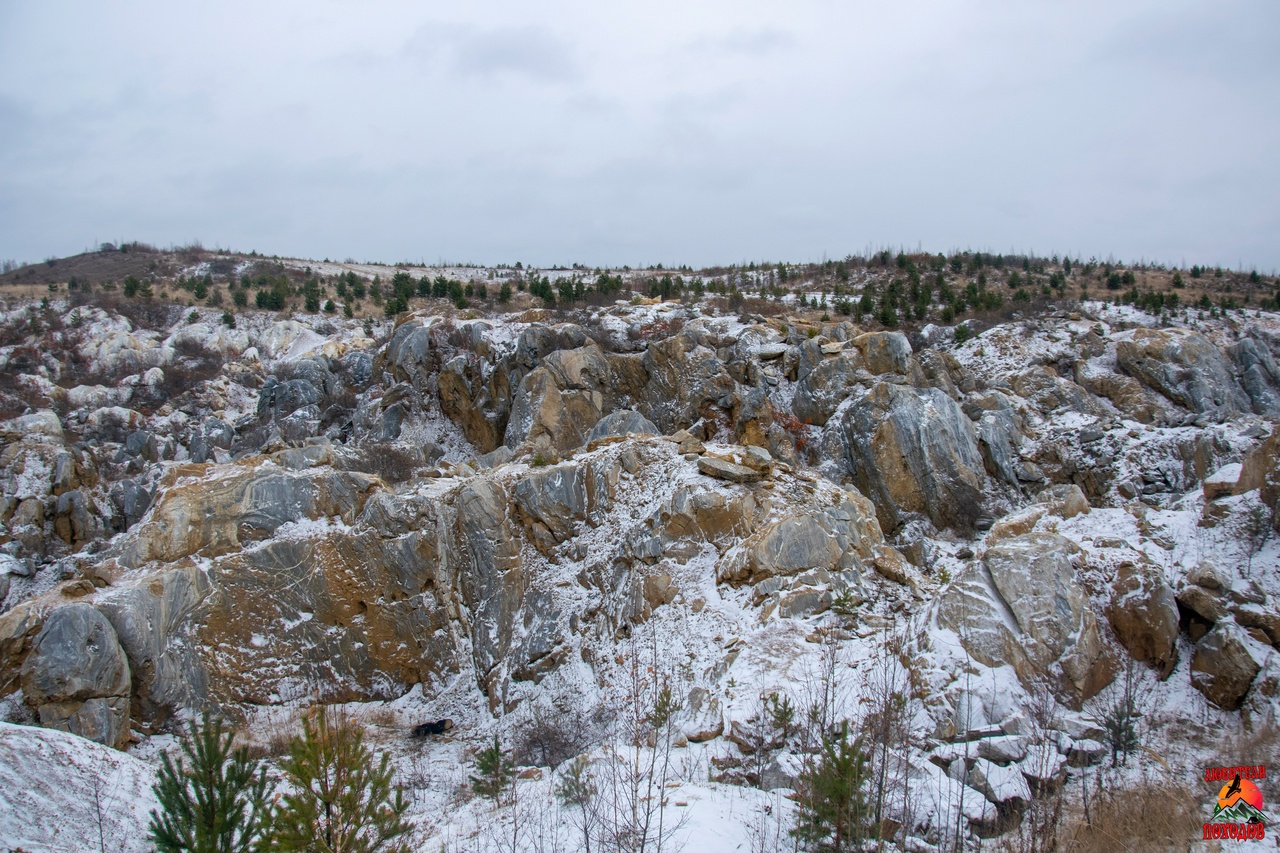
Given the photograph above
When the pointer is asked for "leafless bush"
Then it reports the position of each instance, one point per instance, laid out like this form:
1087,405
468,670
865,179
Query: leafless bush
551,738
193,365
1041,827
656,330
632,777
145,313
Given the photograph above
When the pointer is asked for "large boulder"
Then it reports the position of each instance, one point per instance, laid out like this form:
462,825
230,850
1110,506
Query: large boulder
912,451
358,616
563,399
846,536
999,429
828,373
1023,606
1183,366
43,425
491,577
152,624
1223,666
825,383
1130,397
1144,615
554,501
622,422
408,354
76,676
279,399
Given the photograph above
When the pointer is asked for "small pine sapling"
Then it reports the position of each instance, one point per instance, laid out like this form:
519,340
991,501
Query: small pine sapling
341,801
215,804
833,815
495,772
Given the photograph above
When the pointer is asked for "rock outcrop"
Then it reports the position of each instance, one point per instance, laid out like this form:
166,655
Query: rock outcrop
1183,366
1144,615
1023,606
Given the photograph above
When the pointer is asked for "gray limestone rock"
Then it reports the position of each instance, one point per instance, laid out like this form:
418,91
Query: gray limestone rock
622,422
1183,366
1259,375
911,450
74,659
150,624
1023,606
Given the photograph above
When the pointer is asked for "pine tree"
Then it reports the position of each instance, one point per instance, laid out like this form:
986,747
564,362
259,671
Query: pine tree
340,802
218,804
833,814
496,772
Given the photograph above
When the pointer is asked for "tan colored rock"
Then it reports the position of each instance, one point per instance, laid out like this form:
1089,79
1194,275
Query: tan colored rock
1261,470
721,469
1185,367
687,443
18,628
1016,524
658,589
1144,615
477,398
1127,394
240,503
1254,617
841,537
1064,501
1203,603
1221,483
885,352
1223,667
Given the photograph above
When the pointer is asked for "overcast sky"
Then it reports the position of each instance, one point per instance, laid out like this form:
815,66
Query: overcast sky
637,133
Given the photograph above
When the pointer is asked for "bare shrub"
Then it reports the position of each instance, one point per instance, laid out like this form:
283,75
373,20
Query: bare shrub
145,313
550,739
193,365
657,330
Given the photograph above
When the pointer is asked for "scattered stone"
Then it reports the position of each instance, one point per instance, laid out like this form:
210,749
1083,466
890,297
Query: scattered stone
721,469
1222,483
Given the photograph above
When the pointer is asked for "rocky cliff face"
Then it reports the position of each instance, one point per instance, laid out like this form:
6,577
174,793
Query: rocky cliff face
498,508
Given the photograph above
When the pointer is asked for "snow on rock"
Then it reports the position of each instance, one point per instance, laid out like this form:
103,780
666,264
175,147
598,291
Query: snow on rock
59,792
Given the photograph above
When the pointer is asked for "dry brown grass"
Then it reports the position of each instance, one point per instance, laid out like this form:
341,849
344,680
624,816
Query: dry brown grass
272,740
1154,816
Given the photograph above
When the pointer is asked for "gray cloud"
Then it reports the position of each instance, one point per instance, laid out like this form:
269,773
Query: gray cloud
531,52
633,133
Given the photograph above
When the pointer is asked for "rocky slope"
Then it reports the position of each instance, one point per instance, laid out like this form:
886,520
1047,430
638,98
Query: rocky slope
503,520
